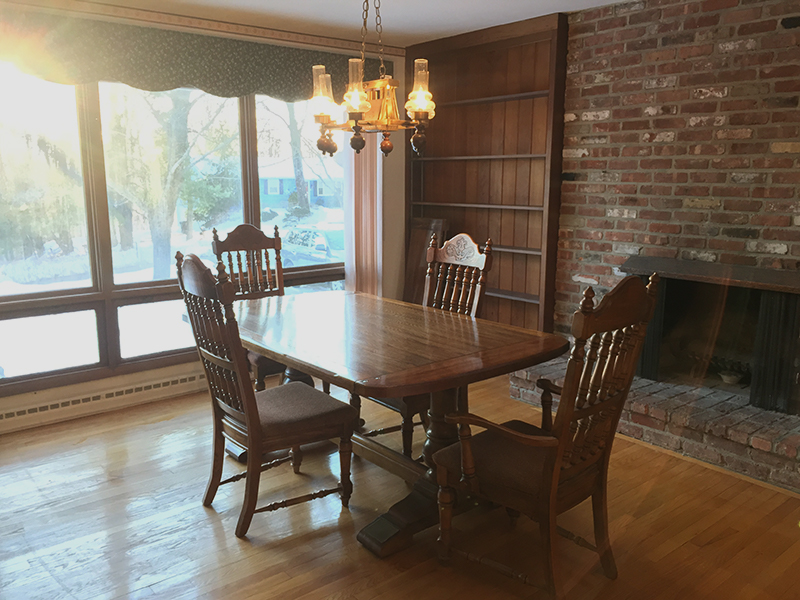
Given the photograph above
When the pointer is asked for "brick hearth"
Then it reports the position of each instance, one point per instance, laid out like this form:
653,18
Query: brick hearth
714,426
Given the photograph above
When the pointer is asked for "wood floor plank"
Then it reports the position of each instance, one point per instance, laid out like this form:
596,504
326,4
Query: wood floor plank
108,507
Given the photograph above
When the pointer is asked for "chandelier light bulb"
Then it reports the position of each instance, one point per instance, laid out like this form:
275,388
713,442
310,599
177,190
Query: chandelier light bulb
420,99
355,99
322,104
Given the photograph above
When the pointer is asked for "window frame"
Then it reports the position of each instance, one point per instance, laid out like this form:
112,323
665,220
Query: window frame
104,296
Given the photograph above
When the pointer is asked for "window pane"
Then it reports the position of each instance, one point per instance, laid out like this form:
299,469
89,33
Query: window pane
48,343
173,172
150,328
42,207
303,191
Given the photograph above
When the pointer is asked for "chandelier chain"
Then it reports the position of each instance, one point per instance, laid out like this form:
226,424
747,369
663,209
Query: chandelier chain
379,29
364,27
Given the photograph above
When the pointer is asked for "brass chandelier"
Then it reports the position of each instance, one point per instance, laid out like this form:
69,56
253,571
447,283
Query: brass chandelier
372,105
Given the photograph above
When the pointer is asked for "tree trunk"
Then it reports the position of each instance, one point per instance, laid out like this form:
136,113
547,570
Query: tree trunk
297,163
162,250
162,215
189,225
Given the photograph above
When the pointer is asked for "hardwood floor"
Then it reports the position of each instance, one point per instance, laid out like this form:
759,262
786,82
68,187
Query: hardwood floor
109,506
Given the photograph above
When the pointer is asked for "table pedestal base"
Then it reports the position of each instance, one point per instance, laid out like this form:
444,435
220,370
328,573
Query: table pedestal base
394,530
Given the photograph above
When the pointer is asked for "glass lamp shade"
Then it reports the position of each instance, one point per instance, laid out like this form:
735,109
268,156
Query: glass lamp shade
322,104
420,99
355,99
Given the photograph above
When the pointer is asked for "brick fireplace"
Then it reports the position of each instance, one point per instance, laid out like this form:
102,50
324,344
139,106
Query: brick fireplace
682,139
682,142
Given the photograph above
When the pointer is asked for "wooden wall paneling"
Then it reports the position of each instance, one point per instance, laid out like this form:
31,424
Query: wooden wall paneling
533,276
515,65
444,77
537,181
527,68
458,174
498,106
541,69
506,283
532,316
539,126
520,270
535,226
518,314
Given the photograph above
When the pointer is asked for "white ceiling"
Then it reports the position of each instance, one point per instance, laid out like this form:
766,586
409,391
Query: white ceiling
405,22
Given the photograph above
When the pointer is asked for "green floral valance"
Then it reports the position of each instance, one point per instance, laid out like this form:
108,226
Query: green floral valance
74,50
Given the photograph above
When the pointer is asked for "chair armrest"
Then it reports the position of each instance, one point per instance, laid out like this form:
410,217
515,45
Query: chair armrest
522,438
549,386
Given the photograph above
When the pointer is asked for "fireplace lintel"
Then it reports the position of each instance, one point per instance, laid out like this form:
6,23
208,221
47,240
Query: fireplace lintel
775,280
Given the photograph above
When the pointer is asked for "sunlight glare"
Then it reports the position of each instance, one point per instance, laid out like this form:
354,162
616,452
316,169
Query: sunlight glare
37,105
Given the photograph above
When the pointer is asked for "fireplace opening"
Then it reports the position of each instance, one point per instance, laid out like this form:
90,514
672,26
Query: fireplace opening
709,335
724,326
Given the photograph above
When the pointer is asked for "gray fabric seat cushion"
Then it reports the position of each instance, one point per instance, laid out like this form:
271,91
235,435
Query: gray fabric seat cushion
508,473
295,407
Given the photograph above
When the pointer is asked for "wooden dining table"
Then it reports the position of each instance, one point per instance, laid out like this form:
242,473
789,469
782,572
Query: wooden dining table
382,348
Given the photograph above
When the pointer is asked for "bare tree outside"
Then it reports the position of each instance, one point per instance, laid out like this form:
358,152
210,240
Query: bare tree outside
165,151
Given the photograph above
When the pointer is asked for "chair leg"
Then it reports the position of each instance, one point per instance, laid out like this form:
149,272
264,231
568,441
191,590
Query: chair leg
326,387
345,453
355,402
407,430
462,403
601,539
252,481
216,465
297,458
548,531
446,499
261,375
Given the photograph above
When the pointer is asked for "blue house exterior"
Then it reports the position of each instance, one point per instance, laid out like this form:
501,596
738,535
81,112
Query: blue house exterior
277,182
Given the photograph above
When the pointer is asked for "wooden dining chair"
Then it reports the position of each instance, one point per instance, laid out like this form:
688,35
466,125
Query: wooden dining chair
544,471
280,418
455,281
253,262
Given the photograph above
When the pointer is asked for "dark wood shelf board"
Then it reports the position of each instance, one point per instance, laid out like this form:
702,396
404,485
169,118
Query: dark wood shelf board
491,99
467,205
720,274
476,157
517,250
509,295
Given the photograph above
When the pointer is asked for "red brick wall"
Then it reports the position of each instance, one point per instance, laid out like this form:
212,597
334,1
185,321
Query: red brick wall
682,138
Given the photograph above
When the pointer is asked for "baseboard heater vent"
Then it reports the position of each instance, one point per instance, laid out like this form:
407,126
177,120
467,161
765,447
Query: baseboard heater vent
33,411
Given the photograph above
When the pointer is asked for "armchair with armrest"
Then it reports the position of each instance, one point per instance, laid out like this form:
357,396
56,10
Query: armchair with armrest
544,471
